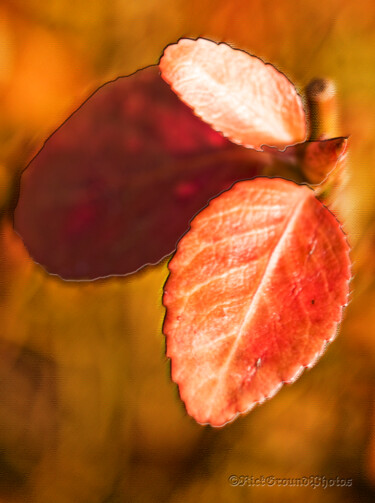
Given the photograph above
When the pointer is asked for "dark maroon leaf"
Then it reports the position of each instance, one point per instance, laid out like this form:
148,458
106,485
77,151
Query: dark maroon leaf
115,187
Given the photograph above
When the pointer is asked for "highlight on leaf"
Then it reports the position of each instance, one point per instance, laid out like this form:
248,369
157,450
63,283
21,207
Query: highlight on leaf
256,290
247,100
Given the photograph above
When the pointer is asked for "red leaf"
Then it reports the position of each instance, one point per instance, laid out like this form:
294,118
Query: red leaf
255,291
322,157
115,187
249,101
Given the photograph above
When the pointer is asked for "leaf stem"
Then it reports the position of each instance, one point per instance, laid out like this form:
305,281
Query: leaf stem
323,117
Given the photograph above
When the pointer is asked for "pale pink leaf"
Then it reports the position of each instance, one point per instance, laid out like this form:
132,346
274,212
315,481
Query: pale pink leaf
247,100
255,291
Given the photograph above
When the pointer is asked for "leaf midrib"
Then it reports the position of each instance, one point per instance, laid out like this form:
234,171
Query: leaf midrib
272,262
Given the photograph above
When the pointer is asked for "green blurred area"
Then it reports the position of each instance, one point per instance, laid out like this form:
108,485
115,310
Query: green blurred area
87,409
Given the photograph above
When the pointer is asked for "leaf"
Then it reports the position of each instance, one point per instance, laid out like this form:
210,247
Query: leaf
255,292
131,167
320,158
249,101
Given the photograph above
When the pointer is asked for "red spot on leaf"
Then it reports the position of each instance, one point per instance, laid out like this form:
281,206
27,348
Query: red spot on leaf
185,190
255,291
247,100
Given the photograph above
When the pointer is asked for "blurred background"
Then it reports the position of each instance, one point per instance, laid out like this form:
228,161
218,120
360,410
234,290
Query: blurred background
87,409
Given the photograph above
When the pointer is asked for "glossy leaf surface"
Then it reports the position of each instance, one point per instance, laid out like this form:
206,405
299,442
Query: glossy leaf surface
249,101
256,289
115,187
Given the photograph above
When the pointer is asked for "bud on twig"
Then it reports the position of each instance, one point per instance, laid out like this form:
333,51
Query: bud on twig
322,108
320,158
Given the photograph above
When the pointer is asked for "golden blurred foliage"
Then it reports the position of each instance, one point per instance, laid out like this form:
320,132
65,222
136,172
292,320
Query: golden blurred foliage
87,409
